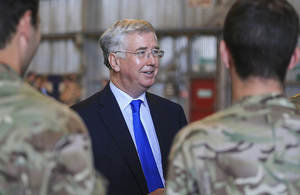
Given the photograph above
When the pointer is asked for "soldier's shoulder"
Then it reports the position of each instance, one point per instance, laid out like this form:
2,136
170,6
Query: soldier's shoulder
48,104
207,130
295,98
40,109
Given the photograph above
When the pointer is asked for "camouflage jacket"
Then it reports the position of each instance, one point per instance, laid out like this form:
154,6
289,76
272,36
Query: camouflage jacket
250,148
296,100
45,148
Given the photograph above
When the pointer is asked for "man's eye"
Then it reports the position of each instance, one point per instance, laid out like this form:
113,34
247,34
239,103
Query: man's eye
141,53
155,52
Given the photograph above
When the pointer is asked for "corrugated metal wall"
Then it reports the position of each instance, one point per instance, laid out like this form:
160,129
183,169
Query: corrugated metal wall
69,16
162,14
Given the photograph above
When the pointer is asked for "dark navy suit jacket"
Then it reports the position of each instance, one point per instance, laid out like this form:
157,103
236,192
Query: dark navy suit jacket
115,155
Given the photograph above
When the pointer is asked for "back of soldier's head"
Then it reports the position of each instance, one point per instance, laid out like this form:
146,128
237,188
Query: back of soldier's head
262,36
10,13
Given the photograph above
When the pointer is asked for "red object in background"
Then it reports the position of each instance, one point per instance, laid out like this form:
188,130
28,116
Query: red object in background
202,98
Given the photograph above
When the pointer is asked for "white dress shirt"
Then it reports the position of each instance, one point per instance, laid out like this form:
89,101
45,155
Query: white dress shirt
124,100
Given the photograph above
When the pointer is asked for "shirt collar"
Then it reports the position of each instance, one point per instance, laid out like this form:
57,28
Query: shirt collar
124,99
266,99
8,73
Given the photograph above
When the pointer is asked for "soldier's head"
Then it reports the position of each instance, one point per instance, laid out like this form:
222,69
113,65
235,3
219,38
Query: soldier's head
19,24
261,36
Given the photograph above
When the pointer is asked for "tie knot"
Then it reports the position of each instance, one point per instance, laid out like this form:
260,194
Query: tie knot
135,105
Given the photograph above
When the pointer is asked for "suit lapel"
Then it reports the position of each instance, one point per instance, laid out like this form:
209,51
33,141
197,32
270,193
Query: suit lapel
111,115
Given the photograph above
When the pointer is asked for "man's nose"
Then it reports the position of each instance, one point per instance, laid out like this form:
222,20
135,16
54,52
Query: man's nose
151,58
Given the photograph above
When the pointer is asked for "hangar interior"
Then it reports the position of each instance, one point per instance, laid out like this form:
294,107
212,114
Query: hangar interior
189,32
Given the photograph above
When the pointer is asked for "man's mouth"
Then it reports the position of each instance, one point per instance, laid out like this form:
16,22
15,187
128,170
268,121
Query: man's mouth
149,72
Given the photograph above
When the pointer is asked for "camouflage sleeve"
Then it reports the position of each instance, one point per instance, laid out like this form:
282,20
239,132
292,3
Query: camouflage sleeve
101,185
188,173
181,177
45,148
73,172
176,179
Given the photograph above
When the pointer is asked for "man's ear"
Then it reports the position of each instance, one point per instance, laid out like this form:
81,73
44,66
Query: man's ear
114,62
294,59
24,26
225,54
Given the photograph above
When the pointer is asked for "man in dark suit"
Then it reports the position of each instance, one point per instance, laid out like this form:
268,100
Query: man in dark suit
132,55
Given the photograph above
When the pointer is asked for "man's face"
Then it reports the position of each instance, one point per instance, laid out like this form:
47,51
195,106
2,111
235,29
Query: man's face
138,73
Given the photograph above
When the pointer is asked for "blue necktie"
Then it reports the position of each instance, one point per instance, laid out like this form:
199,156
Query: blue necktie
145,153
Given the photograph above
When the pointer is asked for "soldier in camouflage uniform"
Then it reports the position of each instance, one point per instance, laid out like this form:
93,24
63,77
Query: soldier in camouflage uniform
252,147
44,147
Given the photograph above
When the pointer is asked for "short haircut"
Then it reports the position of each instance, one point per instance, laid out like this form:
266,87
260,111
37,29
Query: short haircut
113,40
261,36
10,13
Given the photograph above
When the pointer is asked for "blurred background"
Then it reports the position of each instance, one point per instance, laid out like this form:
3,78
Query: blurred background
69,65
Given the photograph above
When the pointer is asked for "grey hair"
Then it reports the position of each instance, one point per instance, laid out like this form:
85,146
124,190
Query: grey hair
112,39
